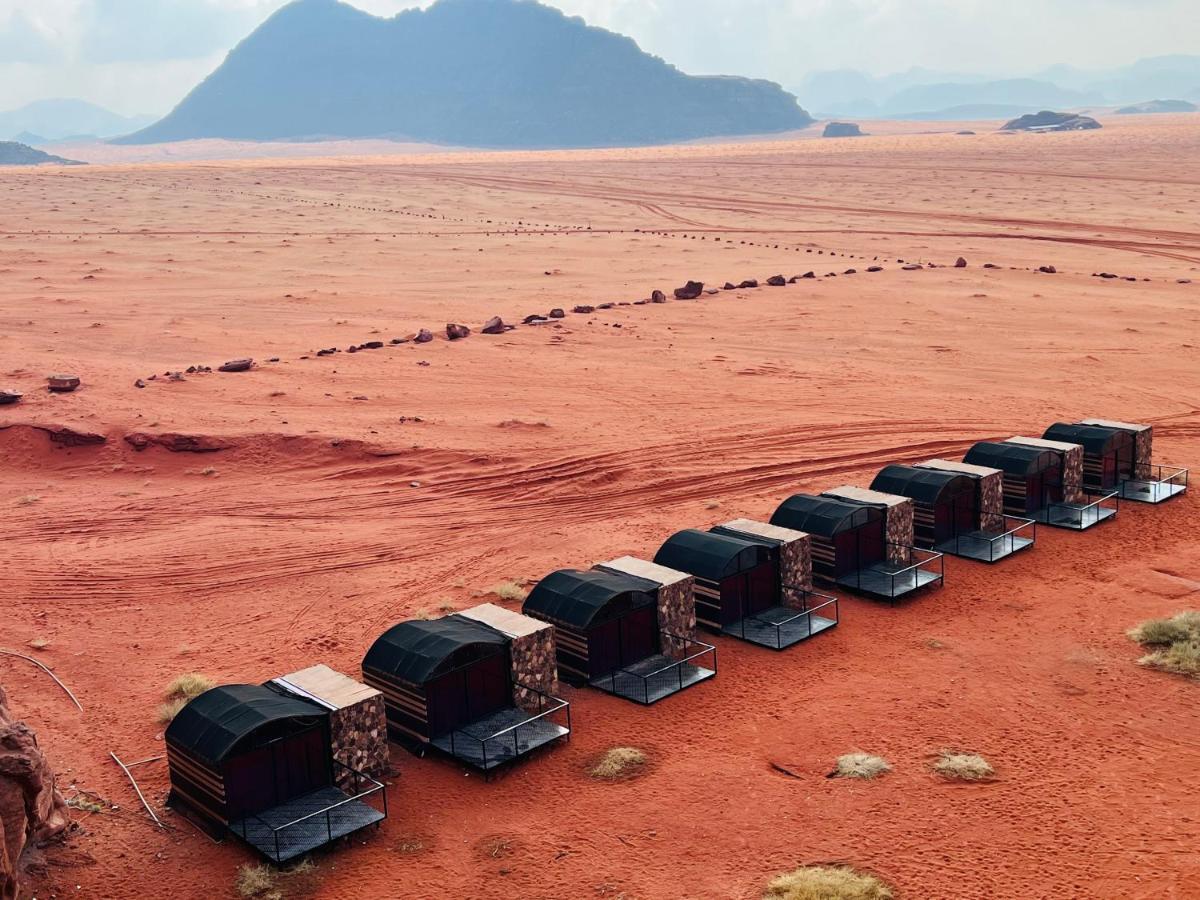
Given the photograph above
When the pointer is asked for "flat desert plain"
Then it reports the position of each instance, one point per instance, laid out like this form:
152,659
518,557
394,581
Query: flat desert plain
341,494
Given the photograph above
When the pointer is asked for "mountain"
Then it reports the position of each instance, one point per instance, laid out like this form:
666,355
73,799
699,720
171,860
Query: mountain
492,73
1157,106
14,154
920,93
53,120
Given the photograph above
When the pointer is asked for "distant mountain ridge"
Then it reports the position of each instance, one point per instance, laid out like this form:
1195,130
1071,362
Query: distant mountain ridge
57,119
920,93
491,73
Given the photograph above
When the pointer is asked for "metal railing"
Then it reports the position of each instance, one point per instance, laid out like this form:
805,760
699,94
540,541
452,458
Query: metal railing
999,545
1155,476
690,651
1080,516
510,736
880,579
359,795
813,603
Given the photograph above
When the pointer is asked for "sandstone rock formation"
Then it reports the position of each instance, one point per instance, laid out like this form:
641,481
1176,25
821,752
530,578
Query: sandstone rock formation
1051,121
842,129
31,809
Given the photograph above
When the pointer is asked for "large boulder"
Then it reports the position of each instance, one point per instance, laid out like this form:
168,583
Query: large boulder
32,811
1051,121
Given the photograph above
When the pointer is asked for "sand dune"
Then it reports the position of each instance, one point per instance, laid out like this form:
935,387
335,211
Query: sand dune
301,537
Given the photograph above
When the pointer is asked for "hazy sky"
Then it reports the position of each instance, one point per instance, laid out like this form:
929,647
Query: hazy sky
137,56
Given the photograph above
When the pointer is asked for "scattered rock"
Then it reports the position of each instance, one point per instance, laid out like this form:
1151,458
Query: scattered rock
276,358
371,345
1108,275
9,397
584,310
457,332
395,342
494,325
689,291
62,384
1048,270
237,365
1184,281
730,286
960,263
913,267
748,283
658,297
329,352
424,336
557,313
850,272
990,266
534,319
139,383
777,281
606,306
875,268
809,275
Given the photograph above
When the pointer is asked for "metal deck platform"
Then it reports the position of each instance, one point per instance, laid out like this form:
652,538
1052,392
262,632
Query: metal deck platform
1151,491
500,738
983,546
1077,516
781,627
652,679
889,582
300,826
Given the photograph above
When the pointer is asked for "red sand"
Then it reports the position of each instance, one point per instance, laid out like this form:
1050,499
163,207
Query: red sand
556,446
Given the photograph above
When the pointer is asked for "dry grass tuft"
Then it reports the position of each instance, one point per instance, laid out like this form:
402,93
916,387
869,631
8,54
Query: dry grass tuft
963,766
28,500
189,686
509,590
39,643
861,765
619,762
265,883
827,883
1175,643
182,691
258,881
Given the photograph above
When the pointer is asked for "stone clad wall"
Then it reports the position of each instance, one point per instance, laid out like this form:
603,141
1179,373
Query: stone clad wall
1073,475
534,663
1143,453
359,739
677,614
796,572
991,502
899,528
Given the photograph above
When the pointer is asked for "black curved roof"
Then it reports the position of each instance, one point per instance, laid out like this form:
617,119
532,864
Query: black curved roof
708,555
420,650
211,725
579,598
1096,440
1012,459
823,516
927,486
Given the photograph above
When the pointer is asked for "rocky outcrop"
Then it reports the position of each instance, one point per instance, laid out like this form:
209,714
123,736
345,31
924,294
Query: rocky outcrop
176,443
15,154
31,809
842,129
1051,121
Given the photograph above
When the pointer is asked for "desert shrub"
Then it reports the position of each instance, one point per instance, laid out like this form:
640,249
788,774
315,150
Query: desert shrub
509,590
963,766
182,691
619,762
827,883
258,881
861,765
1175,643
